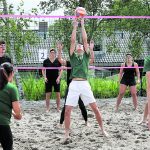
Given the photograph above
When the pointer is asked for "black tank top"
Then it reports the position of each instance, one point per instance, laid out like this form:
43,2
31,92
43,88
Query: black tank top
129,72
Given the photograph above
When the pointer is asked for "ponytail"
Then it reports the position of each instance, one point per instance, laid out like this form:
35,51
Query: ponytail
5,70
3,78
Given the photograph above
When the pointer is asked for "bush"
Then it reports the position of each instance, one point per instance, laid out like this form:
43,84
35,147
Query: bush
34,88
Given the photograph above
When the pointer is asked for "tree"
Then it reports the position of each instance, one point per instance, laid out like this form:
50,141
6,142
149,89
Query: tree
94,7
13,30
138,28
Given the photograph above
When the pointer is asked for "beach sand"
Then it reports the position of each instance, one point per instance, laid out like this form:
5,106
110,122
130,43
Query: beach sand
38,130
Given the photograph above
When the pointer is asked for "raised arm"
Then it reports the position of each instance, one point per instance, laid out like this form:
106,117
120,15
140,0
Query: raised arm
84,36
59,48
44,72
73,36
91,51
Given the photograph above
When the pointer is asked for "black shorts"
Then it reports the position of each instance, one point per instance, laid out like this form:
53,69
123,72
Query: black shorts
49,85
128,82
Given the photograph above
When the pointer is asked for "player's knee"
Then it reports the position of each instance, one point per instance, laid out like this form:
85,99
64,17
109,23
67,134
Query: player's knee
67,111
94,108
133,94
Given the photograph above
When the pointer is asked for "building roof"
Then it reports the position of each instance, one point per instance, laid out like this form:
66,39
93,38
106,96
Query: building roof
114,59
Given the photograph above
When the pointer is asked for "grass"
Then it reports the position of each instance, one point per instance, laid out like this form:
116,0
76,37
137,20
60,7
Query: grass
34,88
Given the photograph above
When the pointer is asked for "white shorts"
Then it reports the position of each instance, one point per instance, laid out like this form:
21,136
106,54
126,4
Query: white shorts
82,89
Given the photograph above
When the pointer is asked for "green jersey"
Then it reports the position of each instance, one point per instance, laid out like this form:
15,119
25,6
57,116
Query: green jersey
79,65
8,95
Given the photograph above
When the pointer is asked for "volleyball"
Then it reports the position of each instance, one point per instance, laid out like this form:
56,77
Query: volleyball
80,12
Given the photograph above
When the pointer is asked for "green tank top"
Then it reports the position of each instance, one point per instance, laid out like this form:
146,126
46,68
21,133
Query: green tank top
146,64
79,65
8,95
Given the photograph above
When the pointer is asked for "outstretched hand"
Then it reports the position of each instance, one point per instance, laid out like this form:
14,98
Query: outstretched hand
59,46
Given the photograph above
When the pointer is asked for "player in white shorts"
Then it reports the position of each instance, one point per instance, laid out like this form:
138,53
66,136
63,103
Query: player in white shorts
79,85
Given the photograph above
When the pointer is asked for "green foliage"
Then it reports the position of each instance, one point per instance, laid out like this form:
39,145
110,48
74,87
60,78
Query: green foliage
112,47
34,88
135,45
61,31
144,82
137,28
104,88
93,7
109,26
13,31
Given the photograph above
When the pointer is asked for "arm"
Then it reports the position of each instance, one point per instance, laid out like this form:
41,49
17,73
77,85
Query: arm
16,110
44,73
73,37
91,51
121,72
59,48
137,72
84,36
59,77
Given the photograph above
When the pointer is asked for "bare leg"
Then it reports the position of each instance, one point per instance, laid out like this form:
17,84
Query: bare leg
98,117
58,100
144,119
120,96
68,110
134,96
48,101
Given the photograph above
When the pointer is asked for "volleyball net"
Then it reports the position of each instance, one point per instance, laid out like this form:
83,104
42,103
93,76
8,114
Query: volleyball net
30,37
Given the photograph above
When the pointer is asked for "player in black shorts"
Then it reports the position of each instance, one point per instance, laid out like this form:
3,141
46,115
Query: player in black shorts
52,78
127,78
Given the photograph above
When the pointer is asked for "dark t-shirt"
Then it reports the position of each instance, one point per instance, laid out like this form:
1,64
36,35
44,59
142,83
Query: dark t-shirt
4,59
52,73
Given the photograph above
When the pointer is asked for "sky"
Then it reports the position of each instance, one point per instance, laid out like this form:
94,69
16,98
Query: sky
29,4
